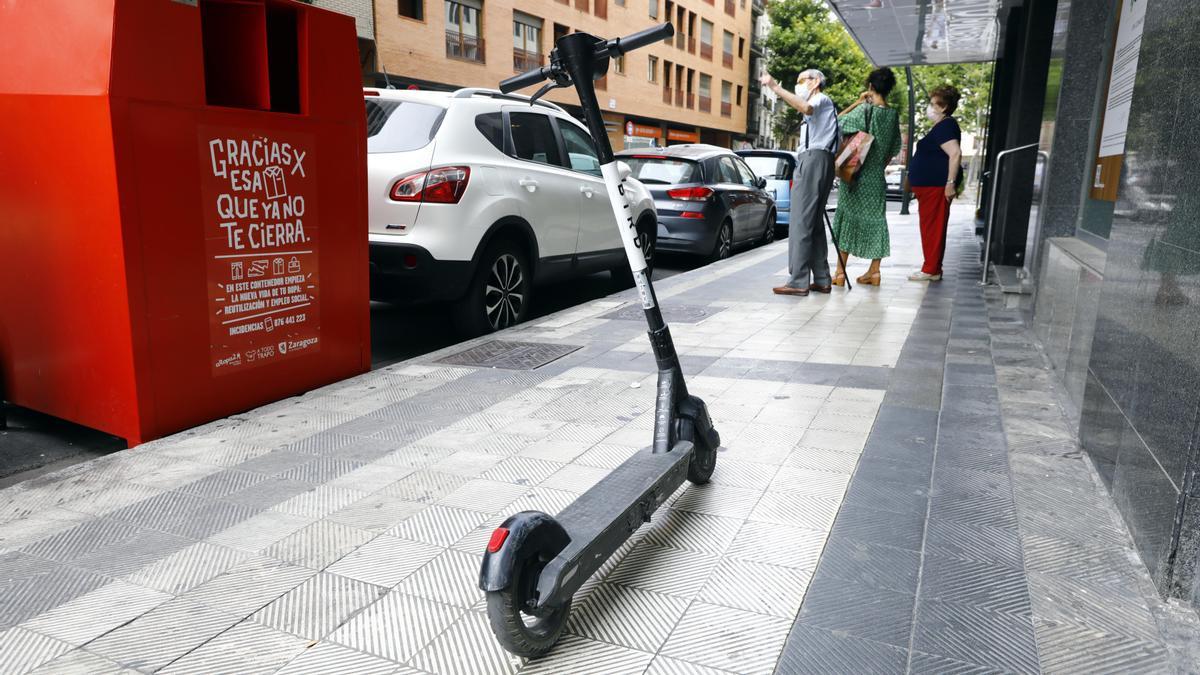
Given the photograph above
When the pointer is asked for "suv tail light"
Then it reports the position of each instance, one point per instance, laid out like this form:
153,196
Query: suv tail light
690,194
443,185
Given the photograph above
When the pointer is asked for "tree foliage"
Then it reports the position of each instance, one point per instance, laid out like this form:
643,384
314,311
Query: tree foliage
805,34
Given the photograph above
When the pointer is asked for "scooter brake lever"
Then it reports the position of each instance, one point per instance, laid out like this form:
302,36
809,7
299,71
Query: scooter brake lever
545,89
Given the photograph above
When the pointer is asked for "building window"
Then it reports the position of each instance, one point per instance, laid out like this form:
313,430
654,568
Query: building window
727,49
726,96
527,42
600,8
706,39
653,7
619,64
741,47
705,93
652,69
581,5
413,9
619,3
464,32
738,100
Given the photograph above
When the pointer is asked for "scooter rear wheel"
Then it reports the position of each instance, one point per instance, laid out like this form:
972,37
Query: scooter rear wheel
518,630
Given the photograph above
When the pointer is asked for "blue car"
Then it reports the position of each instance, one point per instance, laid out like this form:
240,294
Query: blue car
776,166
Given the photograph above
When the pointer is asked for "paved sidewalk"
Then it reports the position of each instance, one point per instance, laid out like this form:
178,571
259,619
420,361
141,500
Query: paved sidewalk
342,531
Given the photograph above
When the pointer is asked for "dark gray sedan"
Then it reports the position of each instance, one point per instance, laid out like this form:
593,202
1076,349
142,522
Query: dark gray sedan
708,201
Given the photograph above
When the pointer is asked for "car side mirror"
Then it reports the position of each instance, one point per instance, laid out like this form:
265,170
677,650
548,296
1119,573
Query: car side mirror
623,170
760,182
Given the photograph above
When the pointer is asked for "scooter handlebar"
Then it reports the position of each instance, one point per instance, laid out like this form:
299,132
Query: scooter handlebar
642,38
525,79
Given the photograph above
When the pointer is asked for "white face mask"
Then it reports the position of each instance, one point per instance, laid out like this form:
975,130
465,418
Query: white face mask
803,92
933,113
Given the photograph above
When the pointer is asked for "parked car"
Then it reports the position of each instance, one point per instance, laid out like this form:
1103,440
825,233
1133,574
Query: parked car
777,167
709,202
476,196
893,175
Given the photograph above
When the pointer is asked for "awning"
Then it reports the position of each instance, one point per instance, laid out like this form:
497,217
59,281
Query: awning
915,32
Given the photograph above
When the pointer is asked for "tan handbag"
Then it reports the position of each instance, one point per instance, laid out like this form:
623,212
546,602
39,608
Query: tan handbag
853,152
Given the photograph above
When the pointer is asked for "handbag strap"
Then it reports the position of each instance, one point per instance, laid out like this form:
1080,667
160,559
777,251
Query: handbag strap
867,124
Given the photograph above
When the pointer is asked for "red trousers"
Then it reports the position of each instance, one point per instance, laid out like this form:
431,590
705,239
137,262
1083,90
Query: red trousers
934,210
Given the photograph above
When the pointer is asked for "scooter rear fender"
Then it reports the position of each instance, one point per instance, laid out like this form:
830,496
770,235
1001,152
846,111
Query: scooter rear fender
528,532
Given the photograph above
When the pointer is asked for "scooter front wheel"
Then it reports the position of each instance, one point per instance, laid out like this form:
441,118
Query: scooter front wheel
519,630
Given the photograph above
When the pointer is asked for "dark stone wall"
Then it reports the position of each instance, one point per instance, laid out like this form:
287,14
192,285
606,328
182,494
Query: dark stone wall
1142,399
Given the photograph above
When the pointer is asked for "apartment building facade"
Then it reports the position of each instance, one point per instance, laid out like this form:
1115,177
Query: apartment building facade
694,87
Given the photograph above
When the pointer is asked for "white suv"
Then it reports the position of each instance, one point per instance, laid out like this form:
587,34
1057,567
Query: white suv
475,195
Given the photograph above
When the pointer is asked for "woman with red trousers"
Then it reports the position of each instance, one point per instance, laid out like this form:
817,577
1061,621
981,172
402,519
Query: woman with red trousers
933,175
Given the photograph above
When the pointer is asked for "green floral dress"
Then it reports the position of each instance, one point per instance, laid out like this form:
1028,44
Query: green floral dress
861,220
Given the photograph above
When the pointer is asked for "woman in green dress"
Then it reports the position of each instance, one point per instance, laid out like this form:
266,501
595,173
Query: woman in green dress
861,221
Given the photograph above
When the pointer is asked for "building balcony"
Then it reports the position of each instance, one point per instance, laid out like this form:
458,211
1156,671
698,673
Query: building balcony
680,40
464,47
706,51
726,109
727,59
691,42
758,6
667,95
679,97
752,127
691,100
705,104
526,60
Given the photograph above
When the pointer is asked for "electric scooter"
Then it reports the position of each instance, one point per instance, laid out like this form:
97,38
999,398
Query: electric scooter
534,562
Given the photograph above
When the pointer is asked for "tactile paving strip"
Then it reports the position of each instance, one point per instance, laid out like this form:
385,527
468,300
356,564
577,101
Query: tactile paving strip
509,355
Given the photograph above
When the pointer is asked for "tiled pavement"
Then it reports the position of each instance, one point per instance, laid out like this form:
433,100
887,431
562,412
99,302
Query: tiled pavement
898,493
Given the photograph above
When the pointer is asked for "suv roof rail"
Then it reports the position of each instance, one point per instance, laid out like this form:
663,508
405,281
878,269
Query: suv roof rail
468,92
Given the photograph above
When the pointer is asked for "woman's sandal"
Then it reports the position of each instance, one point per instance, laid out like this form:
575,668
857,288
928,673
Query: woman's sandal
869,279
839,279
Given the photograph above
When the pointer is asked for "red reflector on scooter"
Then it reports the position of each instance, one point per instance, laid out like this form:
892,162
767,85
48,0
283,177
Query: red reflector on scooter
497,540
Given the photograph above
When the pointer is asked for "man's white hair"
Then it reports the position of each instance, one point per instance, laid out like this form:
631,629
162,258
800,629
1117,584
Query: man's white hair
814,74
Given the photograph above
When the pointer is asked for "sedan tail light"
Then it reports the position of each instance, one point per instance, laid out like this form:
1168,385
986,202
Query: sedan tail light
690,194
443,185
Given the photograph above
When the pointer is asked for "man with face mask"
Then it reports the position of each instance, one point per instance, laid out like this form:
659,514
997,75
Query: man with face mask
808,251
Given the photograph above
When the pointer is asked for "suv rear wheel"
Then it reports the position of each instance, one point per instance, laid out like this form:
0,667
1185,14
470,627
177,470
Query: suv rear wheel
647,234
498,296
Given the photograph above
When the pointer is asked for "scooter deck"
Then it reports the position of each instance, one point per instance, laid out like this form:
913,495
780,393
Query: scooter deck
605,516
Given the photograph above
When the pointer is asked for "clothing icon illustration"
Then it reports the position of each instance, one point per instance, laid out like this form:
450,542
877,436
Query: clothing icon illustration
236,270
275,185
258,268
294,265
277,266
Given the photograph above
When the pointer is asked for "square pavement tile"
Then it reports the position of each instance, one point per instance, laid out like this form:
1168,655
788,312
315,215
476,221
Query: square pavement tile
718,500
627,616
665,665
79,662
542,499
261,531
581,656
318,545
249,585
96,612
467,647
22,650
466,463
974,634
606,455
730,639
849,608
424,486
439,525
839,441
183,571
247,649
654,568
484,495
872,565
575,478
756,587
823,484
452,577
385,561
821,460
376,513
785,508
397,626
562,451
314,608
742,474
522,471
163,635
775,544
328,658
319,502
691,531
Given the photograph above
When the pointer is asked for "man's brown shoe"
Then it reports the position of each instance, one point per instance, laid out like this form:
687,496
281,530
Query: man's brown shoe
788,290
820,289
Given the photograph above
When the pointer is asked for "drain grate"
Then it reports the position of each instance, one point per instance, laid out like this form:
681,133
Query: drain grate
671,313
509,355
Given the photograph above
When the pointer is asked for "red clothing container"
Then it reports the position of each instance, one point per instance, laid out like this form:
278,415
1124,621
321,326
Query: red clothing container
182,208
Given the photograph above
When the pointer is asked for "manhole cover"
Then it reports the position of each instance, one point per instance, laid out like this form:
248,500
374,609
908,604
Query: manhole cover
509,355
671,313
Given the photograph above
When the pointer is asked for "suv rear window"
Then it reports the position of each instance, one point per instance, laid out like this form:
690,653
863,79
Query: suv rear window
769,167
663,170
399,126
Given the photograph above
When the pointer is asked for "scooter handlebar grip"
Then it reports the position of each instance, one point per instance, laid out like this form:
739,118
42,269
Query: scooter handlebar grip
646,37
523,80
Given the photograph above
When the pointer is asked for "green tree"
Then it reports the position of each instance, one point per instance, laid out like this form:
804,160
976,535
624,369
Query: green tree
974,82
